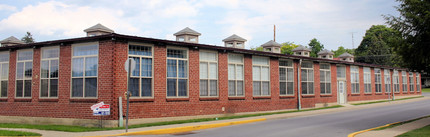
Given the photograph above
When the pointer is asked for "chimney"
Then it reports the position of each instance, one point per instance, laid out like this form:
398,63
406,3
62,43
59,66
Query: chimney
234,41
98,29
187,35
272,46
302,51
325,54
11,41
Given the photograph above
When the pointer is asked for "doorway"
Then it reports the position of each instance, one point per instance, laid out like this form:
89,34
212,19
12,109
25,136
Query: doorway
341,92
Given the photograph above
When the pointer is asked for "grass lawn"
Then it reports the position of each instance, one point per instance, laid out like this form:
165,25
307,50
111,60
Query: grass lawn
421,132
426,89
85,129
380,101
401,123
17,133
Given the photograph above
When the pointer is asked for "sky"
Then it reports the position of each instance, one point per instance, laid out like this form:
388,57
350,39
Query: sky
332,22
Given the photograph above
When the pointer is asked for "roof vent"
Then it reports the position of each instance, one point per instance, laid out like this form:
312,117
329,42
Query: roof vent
302,51
187,35
11,41
272,46
235,41
325,54
346,57
98,29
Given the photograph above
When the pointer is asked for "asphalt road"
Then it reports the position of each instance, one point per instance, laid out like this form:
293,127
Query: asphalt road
338,124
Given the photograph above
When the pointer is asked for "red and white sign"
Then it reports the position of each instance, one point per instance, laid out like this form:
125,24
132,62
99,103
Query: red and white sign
97,105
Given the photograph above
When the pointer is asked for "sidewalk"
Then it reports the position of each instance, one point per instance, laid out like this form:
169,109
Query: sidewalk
398,130
347,107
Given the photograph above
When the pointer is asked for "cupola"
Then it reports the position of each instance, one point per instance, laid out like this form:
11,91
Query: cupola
187,35
234,41
11,41
98,29
346,57
325,54
272,46
302,51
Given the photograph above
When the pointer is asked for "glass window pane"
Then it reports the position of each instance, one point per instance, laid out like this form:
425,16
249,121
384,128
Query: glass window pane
235,58
208,56
213,71
4,85
91,87
28,69
203,70
54,69
290,74
282,74
140,50
182,69
25,55
85,50
44,68
231,88
77,87
91,66
171,87
4,57
322,76
5,71
283,88
174,53
322,88
311,88
171,68
146,67
239,72
328,87
50,53
304,75
260,60
182,87
213,87
136,71
44,87
203,87
256,88
133,87
290,88
231,74
27,88
77,67
20,70
311,75
239,87
256,72
19,88
146,87
53,88
304,88
266,88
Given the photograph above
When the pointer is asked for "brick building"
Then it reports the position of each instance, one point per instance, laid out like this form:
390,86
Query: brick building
59,80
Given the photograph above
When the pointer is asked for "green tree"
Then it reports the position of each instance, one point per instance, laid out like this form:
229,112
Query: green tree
258,49
28,38
377,46
413,24
316,47
287,48
340,50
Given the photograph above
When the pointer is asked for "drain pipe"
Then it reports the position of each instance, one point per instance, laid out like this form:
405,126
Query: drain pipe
299,104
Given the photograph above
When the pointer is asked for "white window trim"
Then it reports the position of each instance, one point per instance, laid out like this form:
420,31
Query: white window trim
411,84
208,62
358,78
307,77
7,77
286,77
140,77
387,82
261,81
188,70
396,81
404,82
378,82
235,72
325,81
369,80
418,79
16,70
49,71
83,76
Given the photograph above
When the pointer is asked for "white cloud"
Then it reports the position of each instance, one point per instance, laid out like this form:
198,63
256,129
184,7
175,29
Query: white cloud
4,7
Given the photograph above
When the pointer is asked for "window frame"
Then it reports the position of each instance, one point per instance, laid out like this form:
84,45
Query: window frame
177,72
387,80
83,75
378,82
367,80
325,81
418,80
23,79
411,84
49,71
286,77
396,81
404,82
307,78
235,72
208,79
354,73
1,73
261,81
140,68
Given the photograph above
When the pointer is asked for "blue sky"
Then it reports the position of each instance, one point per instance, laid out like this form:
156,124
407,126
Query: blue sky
330,21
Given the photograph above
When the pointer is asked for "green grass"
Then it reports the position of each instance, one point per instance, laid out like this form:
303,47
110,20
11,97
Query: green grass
17,133
85,129
421,132
380,101
401,123
425,89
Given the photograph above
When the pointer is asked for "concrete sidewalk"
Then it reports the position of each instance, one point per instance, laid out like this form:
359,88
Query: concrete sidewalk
268,117
398,130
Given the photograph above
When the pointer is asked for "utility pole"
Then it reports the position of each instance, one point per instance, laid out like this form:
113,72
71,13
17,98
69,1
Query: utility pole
274,33
352,38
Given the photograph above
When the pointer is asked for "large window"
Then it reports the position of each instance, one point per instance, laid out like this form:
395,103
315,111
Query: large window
208,73
378,88
396,81
307,76
4,73
355,80
286,77
260,76
24,71
341,74
367,80
411,82
418,81
84,70
404,82
177,72
235,75
49,72
325,79
387,80
140,82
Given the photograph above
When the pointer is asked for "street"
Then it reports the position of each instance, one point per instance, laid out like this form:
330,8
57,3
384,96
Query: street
338,124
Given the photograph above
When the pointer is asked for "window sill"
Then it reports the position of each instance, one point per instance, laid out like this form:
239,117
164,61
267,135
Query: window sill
262,97
208,98
378,93
326,95
367,93
22,99
48,100
287,96
3,99
308,96
236,98
141,99
83,100
177,99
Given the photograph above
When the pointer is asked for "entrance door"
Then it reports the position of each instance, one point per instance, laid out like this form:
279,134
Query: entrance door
341,92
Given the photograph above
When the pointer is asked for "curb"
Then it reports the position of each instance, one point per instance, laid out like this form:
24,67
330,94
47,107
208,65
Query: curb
362,131
185,128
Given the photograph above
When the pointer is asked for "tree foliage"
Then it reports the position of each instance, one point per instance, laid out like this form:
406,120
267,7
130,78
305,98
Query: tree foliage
414,26
340,50
316,47
28,38
258,49
287,48
377,46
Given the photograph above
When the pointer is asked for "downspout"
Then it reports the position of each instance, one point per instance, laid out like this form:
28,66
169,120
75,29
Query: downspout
299,105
